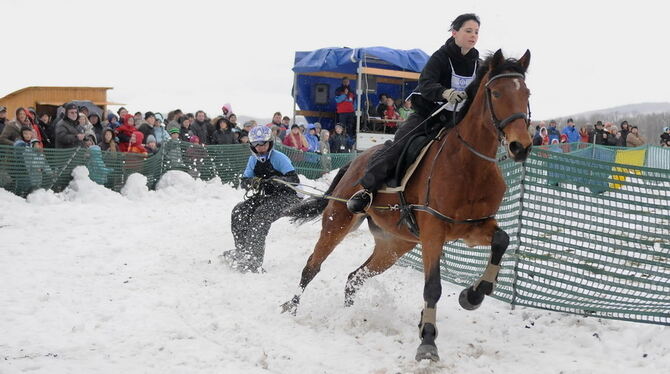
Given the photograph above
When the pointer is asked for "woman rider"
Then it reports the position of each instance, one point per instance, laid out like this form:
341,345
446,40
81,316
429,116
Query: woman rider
444,78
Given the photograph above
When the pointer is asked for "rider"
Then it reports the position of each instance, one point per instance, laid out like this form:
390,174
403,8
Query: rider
444,79
251,219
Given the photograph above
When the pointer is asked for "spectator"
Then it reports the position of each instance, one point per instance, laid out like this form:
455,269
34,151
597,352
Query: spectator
47,130
107,142
405,110
86,125
160,120
147,126
665,137
634,139
381,107
174,119
185,132
345,84
390,112
174,134
614,138
599,135
244,137
276,120
625,130
138,119
97,170
324,142
159,131
152,146
134,145
200,127
113,121
247,127
537,138
312,140
125,131
3,117
223,133
571,132
275,130
232,120
340,141
295,139
69,134
344,104
84,109
12,130
227,110
96,126
584,134
25,137
122,112
553,132
285,123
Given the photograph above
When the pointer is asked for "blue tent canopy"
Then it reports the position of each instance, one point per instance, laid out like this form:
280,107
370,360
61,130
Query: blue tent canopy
312,70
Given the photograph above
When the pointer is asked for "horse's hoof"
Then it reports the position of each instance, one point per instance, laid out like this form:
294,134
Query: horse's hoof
427,352
290,306
470,299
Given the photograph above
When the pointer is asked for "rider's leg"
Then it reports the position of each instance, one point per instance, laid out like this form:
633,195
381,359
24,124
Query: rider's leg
382,163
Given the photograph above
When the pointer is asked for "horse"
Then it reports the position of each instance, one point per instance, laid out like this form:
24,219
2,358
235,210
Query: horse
461,184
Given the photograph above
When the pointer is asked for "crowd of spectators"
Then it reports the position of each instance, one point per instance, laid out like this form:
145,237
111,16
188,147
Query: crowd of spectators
601,133
144,133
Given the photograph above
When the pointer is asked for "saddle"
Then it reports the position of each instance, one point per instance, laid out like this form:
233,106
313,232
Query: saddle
411,156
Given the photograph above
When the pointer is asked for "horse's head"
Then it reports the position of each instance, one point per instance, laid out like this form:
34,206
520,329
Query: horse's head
507,100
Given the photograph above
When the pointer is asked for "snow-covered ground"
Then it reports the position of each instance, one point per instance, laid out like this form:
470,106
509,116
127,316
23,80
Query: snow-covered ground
93,281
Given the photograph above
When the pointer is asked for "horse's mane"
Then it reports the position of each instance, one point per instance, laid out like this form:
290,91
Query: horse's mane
509,65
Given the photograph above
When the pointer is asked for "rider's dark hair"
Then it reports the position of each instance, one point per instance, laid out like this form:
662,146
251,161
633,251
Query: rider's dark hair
463,18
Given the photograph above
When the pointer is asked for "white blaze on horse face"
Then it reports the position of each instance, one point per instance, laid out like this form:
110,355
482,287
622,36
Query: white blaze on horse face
517,84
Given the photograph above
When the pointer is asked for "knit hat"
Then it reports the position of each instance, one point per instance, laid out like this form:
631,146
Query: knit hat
174,130
70,106
151,139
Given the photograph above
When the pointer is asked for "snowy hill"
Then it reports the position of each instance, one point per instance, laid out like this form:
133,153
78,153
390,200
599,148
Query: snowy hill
627,110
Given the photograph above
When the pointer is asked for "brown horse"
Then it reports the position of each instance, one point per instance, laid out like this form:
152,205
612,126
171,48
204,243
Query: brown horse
456,189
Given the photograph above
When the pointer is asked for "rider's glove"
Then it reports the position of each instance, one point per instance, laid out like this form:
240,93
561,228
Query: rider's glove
453,96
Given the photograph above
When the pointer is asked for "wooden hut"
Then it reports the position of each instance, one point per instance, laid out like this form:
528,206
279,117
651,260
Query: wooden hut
48,99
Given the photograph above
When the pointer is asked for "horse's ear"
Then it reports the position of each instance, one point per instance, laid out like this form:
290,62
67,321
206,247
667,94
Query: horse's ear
498,59
525,60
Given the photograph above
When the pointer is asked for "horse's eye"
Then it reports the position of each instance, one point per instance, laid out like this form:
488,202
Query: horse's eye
495,94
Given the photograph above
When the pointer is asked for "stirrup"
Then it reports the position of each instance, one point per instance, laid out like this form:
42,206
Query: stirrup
360,201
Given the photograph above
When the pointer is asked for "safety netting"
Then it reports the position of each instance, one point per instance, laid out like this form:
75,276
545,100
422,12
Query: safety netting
589,234
589,226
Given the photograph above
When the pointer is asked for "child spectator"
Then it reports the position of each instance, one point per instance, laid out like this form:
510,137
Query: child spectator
223,133
152,146
312,140
340,142
405,110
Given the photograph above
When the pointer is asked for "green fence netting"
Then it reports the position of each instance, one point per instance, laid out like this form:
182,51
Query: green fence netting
589,226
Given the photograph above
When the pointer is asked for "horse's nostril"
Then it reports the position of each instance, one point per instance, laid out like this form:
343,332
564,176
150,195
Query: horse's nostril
516,147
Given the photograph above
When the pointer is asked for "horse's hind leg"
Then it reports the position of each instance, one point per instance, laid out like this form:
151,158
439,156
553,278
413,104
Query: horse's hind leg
471,298
388,249
336,223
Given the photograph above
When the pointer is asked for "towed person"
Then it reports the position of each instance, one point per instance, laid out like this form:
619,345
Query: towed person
251,219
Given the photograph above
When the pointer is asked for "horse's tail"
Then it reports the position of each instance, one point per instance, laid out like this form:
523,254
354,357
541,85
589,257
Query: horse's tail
312,207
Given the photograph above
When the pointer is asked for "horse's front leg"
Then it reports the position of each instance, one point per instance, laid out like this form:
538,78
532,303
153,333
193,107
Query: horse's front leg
432,291
471,298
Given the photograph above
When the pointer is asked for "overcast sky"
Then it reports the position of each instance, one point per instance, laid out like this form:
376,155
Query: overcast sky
200,54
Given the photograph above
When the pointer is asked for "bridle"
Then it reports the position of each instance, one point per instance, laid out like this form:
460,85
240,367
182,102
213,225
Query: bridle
497,123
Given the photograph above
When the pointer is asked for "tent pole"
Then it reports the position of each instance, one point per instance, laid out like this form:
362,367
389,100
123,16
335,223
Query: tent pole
295,93
359,95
